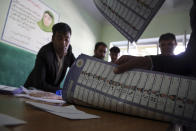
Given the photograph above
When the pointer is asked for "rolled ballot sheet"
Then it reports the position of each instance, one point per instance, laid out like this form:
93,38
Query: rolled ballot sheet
155,95
129,17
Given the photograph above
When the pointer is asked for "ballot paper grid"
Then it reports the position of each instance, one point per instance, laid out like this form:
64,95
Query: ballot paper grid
130,17
133,92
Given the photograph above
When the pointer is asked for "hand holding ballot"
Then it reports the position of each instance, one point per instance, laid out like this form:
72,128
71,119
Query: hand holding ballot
128,62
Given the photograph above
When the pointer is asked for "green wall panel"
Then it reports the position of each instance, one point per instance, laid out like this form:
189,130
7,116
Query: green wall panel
15,65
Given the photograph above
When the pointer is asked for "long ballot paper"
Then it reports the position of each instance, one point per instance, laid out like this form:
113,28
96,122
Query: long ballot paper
129,17
155,95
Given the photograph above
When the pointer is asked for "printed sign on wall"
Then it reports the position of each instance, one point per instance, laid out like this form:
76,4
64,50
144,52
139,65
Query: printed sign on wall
29,24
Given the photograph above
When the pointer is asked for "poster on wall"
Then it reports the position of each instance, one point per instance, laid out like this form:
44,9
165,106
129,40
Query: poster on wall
29,24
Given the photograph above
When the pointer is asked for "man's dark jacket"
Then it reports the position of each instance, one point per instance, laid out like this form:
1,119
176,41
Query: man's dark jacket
43,75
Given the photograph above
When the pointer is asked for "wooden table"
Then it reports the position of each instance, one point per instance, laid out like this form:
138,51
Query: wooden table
38,120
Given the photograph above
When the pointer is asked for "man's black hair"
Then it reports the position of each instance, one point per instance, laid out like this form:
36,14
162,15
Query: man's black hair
115,49
167,36
61,28
100,44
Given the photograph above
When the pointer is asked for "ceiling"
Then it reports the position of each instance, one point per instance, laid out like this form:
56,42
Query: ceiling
169,5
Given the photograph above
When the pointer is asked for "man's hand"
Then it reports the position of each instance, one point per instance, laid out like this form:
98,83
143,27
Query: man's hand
127,62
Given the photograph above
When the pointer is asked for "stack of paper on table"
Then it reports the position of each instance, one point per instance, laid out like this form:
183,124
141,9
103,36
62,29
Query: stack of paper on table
69,112
39,95
7,89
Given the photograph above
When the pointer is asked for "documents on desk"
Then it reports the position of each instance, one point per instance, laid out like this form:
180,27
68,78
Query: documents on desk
32,94
6,120
41,99
7,89
39,95
69,112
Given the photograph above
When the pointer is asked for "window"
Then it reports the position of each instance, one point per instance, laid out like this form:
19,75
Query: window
148,46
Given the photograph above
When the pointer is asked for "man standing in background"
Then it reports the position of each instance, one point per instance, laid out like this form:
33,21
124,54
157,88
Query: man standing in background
167,44
114,53
182,64
100,50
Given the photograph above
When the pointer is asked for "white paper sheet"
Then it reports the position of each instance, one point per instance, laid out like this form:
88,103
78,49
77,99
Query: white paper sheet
75,116
8,120
7,88
69,112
